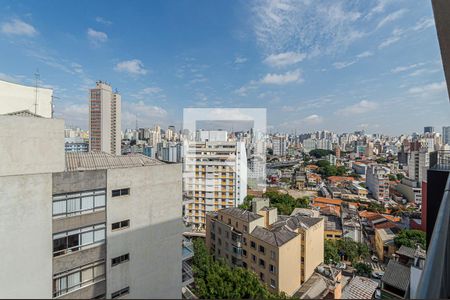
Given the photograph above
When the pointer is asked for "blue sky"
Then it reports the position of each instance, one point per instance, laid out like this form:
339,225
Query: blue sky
338,65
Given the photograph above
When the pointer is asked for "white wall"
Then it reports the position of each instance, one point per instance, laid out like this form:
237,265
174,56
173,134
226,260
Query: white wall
153,240
31,145
15,97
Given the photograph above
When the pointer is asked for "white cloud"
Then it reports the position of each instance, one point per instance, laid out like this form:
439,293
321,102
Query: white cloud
103,21
240,60
435,87
359,108
379,8
245,89
133,67
313,119
288,77
18,27
343,64
96,37
153,92
389,41
72,113
364,54
406,68
6,77
391,18
284,59
146,114
311,27
423,24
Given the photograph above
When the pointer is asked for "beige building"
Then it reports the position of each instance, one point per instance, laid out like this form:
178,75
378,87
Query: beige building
282,250
105,119
384,242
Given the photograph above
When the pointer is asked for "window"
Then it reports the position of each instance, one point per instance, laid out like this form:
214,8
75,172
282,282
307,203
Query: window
229,221
120,192
244,252
272,254
78,239
329,235
121,292
121,224
245,228
120,259
253,258
71,204
261,249
237,224
73,279
272,283
244,240
261,276
302,259
244,264
219,231
219,241
253,244
262,263
272,269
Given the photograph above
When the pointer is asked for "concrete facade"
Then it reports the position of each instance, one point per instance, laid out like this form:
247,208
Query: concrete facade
25,206
153,239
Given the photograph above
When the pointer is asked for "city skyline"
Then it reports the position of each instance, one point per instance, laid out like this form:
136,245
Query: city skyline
340,66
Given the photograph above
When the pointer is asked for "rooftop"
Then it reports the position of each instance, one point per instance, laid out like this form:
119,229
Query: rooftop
23,113
397,275
327,201
82,161
276,237
332,223
241,214
386,234
359,288
411,252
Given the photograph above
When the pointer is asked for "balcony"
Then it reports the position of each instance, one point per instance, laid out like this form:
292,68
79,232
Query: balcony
435,280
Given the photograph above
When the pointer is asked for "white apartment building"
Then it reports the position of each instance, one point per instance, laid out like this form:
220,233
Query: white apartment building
85,225
16,97
446,135
418,163
377,182
105,119
215,177
279,145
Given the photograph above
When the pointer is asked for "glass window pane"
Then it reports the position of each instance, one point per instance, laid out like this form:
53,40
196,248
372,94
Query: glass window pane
59,207
87,275
87,238
73,281
99,235
73,241
99,270
99,200
73,205
87,203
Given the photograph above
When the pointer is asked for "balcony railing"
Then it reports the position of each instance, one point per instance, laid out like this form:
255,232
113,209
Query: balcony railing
435,280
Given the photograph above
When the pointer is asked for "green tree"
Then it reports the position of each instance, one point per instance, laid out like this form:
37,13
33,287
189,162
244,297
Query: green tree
400,176
410,237
331,252
362,269
375,207
285,203
318,153
247,203
214,279
392,177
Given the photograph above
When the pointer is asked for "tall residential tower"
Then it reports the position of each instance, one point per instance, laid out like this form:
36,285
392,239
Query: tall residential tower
104,119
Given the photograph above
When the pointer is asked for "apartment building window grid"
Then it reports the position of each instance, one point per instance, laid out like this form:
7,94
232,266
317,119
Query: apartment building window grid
120,259
68,281
120,225
120,293
66,205
120,192
78,239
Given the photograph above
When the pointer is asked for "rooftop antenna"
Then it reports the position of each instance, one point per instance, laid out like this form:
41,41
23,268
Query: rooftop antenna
36,79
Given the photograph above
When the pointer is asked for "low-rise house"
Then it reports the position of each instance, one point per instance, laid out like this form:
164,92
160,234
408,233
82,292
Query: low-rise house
325,283
384,242
360,288
395,281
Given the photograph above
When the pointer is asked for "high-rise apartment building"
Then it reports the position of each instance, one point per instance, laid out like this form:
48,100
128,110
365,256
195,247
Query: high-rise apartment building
377,182
105,119
279,146
282,250
418,163
446,135
85,225
215,177
428,129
